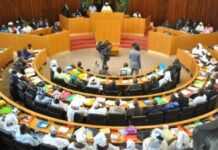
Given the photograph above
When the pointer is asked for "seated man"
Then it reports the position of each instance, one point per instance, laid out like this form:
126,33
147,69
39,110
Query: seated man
201,98
104,71
117,109
167,78
200,27
92,8
106,8
137,14
26,29
41,96
181,99
98,108
94,83
199,50
26,137
53,68
134,88
126,70
59,74
79,65
177,66
135,111
10,124
111,87
52,140
76,106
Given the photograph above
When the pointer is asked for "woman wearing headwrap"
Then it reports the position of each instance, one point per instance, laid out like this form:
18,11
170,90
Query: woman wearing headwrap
130,145
101,143
80,142
10,124
155,141
182,142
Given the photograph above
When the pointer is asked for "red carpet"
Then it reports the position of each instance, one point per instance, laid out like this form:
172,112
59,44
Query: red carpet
88,41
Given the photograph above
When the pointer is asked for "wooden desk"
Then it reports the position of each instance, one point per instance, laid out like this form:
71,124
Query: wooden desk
135,26
6,56
167,41
73,125
79,25
162,40
53,42
127,98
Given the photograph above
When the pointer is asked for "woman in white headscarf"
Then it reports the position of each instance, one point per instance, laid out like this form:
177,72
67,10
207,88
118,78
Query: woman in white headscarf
100,140
182,142
155,141
81,142
130,145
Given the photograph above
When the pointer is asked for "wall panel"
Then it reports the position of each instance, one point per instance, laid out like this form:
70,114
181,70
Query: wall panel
159,10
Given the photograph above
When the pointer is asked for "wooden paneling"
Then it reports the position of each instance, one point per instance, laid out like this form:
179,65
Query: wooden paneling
155,8
159,10
28,9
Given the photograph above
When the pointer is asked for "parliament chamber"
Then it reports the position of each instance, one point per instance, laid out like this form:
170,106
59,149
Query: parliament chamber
108,75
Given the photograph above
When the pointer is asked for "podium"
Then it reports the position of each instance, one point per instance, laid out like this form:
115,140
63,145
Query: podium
108,26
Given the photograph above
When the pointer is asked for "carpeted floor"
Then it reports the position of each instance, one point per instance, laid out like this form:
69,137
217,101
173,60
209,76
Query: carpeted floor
88,57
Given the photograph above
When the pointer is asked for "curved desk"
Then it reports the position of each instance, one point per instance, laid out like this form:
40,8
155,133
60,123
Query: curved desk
192,65
74,125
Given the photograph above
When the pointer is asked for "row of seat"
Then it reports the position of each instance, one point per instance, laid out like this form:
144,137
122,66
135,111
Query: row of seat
152,118
26,96
8,142
144,89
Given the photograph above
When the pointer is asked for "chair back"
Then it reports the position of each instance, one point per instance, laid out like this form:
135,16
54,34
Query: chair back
117,119
155,118
172,115
96,119
47,147
138,120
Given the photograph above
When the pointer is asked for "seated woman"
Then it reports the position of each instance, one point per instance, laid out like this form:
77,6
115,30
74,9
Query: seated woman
117,109
101,142
51,139
155,141
26,137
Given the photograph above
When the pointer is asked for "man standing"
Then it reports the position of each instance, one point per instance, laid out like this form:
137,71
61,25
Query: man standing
134,58
104,49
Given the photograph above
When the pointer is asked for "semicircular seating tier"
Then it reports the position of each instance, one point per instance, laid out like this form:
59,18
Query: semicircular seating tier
69,97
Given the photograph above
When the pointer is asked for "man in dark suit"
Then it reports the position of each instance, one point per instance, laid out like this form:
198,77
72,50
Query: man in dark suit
134,58
111,88
135,88
104,49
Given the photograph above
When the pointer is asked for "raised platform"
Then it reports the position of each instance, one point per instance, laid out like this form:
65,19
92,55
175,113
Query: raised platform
82,41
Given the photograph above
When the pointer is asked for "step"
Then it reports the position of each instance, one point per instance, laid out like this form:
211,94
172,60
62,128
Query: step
82,42
83,46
